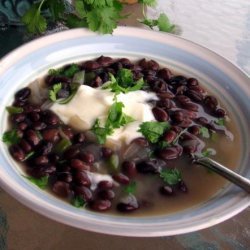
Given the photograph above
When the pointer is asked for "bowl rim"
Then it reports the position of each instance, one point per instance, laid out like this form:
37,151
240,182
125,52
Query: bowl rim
42,42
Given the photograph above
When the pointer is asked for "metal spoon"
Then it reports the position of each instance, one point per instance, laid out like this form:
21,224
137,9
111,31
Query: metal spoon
237,179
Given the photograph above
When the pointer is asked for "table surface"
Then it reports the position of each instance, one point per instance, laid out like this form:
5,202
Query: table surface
222,26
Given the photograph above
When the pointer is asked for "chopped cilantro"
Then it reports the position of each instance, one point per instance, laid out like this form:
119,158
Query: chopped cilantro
153,130
204,132
171,176
62,145
41,183
148,2
113,163
53,92
130,188
101,132
71,70
220,122
14,110
208,152
124,82
11,137
78,202
116,119
163,144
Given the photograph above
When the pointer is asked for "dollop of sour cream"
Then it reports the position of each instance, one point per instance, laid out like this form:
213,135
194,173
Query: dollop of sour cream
91,103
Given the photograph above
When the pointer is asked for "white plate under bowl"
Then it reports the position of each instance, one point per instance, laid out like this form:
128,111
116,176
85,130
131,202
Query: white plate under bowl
223,78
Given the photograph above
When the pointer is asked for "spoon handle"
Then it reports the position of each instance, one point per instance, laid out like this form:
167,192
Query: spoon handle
237,179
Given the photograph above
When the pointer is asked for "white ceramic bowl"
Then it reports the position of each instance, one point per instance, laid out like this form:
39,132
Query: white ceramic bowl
33,59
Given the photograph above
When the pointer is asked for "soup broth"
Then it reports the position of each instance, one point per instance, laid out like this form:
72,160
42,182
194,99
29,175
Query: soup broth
124,163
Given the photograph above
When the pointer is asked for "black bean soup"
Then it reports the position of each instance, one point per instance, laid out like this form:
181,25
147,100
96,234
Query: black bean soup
154,174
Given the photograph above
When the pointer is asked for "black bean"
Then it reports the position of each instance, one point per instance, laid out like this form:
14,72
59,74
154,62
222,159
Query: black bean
34,116
105,185
72,152
127,204
166,190
82,178
106,194
51,135
129,168
166,95
68,132
22,125
32,137
121,178
51,80
87,157
91,65
158,86
79,138
141,142
210,102
45,148
192,82
220,113
117,66
165,103
22,94
104,61
195,129
25,146
17,118
182,99
178,116
202,121
54,158
165,74
194,95
61,189
17,153
191,106
185,123
170,136
65,177
106,152
178,80
160,115
197,89
50,118
183,187
39,125
169,153
180,90
79,165
41,160
97,82
148,167
100,205
84,192
126,63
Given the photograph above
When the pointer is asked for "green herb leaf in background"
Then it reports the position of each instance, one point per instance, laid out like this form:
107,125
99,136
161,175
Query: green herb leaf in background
164,24
101,132
171,176
220,121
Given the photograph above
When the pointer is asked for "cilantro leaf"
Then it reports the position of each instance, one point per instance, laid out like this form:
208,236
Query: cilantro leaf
11,137
130,188
164,24
73,21
151,23
53,92
116,118
208,152
163,144
80,8
41,183
99,3
78,202
56,9
55,72
101,132
171,176
33,19
220,121
103,19
14,110
125,77
204,132
153,130
71,70
73,87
